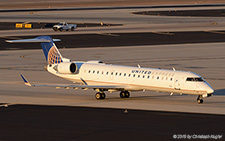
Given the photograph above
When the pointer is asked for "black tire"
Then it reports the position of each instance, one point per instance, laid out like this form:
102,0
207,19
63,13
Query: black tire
61,29
72,28
103,96
122,94
98,96
200,101
55,29
127,94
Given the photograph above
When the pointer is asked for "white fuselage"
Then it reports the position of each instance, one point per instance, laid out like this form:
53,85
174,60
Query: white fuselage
138,79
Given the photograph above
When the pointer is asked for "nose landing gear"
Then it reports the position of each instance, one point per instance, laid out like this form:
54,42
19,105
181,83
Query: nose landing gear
200,99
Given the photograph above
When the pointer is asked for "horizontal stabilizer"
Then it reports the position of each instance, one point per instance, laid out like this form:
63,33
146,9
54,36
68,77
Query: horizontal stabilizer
35,40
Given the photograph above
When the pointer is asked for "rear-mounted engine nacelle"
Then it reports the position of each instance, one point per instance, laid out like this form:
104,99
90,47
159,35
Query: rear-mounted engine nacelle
66,68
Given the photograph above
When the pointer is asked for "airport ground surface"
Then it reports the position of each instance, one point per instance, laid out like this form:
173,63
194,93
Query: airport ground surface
15,4
187,43
121,39
32,122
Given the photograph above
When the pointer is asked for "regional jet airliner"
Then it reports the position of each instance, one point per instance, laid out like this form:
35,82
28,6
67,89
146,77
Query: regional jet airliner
103,77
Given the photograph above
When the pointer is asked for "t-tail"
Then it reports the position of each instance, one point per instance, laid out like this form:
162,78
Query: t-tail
49,48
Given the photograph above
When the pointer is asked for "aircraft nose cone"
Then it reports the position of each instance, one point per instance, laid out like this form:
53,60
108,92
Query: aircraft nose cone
210,90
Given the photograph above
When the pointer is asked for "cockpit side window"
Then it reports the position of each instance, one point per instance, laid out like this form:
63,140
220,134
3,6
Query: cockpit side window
196,79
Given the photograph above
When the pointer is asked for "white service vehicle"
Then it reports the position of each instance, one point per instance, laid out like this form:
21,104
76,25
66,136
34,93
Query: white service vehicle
64,26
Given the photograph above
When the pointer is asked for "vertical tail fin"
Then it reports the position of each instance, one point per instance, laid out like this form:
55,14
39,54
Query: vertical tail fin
49,48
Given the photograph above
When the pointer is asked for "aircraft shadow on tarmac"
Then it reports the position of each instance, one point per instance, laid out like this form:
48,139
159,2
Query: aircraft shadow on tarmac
219,92
142,97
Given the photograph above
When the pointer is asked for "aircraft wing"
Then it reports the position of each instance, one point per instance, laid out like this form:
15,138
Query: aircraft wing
114,87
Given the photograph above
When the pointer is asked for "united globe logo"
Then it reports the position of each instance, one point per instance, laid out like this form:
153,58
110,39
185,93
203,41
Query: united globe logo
54,56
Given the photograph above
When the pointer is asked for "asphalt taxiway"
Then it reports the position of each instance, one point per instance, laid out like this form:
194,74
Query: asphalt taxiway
33,122
119,39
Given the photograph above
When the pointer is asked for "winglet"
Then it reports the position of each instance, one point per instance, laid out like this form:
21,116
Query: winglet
25,81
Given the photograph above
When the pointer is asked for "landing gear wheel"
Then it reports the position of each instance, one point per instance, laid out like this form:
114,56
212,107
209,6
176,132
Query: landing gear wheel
103,96
124,94
199,99
127,94
99,96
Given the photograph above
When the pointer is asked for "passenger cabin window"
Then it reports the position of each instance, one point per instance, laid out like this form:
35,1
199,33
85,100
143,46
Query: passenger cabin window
197,79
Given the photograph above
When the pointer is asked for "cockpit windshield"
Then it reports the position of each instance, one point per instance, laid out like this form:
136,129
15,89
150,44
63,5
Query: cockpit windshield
196,79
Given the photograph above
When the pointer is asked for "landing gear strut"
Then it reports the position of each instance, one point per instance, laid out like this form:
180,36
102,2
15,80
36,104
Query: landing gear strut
199,99
100,95
124,94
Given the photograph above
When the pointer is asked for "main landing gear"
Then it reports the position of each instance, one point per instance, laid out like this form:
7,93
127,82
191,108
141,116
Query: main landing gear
124,94
199,99
100,95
